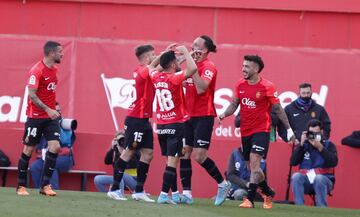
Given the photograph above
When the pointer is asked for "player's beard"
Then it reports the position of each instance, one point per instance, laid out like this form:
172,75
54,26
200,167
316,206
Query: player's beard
247,77
57,61
177,69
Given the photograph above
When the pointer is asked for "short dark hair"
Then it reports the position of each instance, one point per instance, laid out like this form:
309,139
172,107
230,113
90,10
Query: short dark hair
50,46
140,50
305,85
209,44
314,123
167,58
256,59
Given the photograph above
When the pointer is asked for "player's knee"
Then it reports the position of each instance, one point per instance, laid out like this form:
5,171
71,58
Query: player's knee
147,156
200,157
254,162
187,152
126,155
28,150
54,146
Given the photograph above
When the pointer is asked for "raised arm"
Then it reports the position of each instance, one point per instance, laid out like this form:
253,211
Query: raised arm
155,64
191,67
201,84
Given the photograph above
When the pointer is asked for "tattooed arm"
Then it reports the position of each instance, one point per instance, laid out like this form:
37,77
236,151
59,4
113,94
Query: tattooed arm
283,118
53,114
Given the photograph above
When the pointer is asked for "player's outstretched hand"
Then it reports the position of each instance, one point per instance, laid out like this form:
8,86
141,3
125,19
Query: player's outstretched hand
220,118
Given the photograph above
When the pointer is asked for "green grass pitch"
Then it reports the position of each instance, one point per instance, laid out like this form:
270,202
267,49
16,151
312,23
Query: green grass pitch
89,204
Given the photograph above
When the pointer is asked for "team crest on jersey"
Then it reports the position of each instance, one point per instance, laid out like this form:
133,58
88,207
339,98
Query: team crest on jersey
258,94
313,114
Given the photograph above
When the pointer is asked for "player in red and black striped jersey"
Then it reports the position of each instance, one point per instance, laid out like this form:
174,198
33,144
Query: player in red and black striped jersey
171,113
256,96
42,117
138,130
200,90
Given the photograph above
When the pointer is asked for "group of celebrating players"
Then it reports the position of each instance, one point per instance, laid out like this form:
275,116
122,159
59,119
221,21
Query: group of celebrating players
184,120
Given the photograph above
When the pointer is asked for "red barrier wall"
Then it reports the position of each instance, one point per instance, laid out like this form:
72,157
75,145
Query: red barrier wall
297,41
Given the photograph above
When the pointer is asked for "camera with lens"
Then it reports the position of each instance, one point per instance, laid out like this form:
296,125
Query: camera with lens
120,141
310,135
68,124
313,136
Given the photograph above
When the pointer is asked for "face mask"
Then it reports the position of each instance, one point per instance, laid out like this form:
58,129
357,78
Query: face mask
305,99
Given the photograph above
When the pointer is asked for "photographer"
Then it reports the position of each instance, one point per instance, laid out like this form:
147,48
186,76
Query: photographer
102,182
317,159
64,161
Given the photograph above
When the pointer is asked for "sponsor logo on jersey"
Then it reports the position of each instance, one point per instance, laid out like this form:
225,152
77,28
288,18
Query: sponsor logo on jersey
51,86
208,74
249,103
168,116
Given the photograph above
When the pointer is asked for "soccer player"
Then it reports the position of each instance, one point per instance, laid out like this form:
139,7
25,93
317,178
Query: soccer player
42,118
200,89
171,113
138,130
257,96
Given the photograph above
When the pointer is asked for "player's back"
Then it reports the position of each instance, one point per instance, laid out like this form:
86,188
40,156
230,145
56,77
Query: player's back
169,96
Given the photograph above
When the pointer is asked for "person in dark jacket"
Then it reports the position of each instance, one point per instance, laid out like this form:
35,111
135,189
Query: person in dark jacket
317,159
102,182
302,110
353,140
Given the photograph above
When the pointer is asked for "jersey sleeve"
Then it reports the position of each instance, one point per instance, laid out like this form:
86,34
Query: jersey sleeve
209,73
272,94
178,77
236,94
144,73
34,78
152,74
